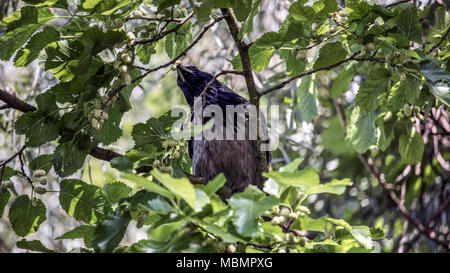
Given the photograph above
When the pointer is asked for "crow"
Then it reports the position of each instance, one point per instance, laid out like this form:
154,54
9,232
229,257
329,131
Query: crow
236,159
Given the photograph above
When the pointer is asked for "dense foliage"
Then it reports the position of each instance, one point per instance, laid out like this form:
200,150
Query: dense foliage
391,139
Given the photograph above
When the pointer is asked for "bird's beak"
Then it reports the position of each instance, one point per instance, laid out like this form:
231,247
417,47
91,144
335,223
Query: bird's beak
183,71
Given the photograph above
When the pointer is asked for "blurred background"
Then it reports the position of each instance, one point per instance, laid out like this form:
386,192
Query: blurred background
321,142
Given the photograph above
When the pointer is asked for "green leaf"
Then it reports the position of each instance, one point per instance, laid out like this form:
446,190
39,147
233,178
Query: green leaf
4,199
407,90
293,66
25,217
215,184
94,41
153,131
408,23
110,131
82,201
361,130
181,187
247,27
40,126
34,245
110,231
330,54
224,235
90,4
293,166
42,162
204,11
311,224
312,13
247,207
122,163
303,179
360,233
335,187
438,78
341,83
261,52
116,191
68,158
306,101
411,148
36,44
85,232
150,186
177,42
376,83
20,26
8,172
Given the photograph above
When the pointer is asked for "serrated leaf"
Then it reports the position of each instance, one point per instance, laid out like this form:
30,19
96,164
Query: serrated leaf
110,231
42,162
411,148
25,217
341,83
8,172
361,130
68,158
82,201
34,245
408,23
330,54
306,101
111,131
35,45
85,232
116,191
247,207
153,131
247,27
360,233
376,83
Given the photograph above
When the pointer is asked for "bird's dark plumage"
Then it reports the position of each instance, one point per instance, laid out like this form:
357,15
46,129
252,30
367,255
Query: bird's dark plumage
236,159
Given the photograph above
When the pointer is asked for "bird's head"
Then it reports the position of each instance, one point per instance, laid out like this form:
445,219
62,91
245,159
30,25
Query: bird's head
192,81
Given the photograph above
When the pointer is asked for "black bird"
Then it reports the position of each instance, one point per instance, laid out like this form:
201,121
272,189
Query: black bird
236,159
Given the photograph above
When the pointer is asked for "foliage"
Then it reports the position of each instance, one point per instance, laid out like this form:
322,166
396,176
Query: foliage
96,56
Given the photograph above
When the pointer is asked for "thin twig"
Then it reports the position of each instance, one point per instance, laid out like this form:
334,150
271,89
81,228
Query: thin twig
397,3
165,33
440,42
285,82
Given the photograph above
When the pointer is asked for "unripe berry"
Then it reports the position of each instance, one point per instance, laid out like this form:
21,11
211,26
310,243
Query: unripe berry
284,211
388,116
104,116
304,209
127,79
123,68
97,113
231,248
407,110
39,173
95,124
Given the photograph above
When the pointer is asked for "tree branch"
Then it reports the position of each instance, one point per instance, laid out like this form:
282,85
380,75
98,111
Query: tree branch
13,102
440,42
249,80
